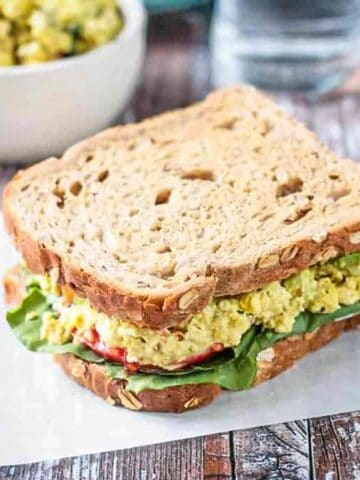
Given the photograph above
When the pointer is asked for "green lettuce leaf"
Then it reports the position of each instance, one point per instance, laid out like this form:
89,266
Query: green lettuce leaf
350,260
233,369
27,328
238,373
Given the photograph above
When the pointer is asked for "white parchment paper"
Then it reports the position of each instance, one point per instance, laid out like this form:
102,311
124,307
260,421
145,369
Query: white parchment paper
45,415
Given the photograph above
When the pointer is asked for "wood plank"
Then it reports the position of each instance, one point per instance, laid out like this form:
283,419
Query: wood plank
335,444
208,458
218,457
183,460
275,452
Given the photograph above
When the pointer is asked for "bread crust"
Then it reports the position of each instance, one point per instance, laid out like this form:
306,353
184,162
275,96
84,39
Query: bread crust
288,351
155,312
164,311
167,307
171,399
181,398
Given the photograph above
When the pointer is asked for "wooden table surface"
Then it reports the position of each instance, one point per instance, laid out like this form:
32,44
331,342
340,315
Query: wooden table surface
177,72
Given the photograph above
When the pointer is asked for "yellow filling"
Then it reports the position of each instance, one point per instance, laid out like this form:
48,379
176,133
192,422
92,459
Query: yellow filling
34,31
321,288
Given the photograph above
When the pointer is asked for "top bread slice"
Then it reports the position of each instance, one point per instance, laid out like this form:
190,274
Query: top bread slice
150,221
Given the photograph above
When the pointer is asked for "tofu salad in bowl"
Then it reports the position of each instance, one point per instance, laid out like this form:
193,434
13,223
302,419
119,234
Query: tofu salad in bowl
36,31
67,69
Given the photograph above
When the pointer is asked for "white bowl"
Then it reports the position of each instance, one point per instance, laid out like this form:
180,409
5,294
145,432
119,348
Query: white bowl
46,108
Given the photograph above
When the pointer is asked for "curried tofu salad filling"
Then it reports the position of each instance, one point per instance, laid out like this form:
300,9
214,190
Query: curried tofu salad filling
319,289
221,344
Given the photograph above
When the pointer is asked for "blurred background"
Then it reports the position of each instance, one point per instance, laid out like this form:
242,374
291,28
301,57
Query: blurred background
294,45
303,52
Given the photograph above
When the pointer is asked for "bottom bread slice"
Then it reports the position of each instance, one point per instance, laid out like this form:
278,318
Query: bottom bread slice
185,397
171,399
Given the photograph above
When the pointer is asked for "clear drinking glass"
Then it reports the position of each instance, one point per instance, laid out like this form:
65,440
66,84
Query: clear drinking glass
285,44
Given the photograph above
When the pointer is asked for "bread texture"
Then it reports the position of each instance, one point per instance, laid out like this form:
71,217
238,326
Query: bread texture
181,398
150,221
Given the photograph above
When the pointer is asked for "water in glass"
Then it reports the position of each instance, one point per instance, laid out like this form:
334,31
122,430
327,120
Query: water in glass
291,44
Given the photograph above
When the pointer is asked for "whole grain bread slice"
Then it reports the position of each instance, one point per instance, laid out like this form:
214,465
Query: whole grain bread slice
150,221
181,398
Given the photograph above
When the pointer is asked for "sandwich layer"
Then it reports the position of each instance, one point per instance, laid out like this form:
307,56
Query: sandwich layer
151,221
95,378
181,398
323,288
185,397
102,379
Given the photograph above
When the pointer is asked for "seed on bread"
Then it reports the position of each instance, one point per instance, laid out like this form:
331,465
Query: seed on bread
110,400
187,299
320,237
289,253
327,254
79,370
268,261
192,403
300,208
129,400
354,237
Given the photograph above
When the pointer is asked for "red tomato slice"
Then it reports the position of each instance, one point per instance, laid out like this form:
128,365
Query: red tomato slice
201,357
92,340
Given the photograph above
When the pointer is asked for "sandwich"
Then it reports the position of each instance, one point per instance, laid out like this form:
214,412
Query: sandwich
202,250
